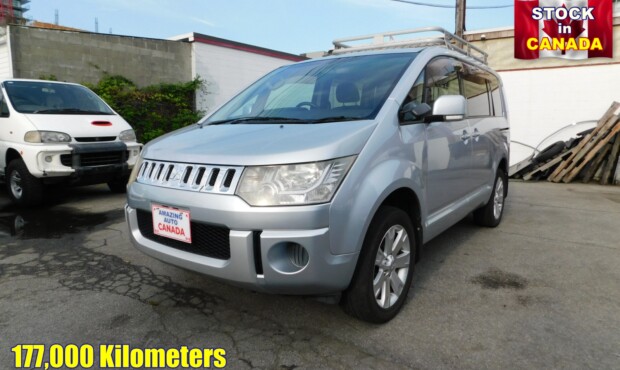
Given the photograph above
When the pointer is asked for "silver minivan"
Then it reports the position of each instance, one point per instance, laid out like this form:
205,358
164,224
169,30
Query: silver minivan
329,175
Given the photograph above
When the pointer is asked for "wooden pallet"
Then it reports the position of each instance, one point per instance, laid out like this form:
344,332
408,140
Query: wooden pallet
589,147
611,162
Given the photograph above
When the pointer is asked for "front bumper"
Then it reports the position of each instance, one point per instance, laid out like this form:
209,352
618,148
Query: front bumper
258,241
66,161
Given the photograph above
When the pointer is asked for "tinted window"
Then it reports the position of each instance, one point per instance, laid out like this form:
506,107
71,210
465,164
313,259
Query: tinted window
54,98
446,76
475,90
4,109
496,96
416,93
442,78
350,88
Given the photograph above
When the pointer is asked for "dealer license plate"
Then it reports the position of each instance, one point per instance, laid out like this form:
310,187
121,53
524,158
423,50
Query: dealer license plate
171,223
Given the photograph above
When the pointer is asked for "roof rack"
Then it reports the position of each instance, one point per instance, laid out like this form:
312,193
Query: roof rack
387,40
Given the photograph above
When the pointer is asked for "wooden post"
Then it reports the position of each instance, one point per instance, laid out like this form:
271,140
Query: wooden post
460,18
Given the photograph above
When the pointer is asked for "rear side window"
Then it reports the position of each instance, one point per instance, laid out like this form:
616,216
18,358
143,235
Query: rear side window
498,109
476,91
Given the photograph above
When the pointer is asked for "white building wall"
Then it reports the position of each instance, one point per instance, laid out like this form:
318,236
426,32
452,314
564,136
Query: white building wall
541,101
6,67
228,71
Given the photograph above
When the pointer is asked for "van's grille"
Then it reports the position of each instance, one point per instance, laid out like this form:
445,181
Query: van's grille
207,240
194,177
94,139
95,159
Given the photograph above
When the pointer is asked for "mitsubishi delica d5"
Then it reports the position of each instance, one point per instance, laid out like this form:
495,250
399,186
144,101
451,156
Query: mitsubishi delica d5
57,133
329,175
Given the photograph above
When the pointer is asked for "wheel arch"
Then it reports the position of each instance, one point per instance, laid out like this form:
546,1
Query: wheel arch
407,200
503,164
10,155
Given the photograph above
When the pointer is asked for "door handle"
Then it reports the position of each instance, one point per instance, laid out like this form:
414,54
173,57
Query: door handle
465,136
476,134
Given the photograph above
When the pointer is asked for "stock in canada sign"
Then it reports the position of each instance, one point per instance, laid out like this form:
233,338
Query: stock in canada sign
567,29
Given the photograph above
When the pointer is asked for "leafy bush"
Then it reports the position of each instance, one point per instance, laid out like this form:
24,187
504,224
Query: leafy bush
153,110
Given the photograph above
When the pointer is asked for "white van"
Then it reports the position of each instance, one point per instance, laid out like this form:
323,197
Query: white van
60,133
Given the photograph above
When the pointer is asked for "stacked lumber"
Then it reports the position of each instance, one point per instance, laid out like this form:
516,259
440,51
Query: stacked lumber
595,156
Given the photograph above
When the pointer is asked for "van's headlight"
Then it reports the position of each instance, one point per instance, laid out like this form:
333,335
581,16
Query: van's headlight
134,171
293,184
46,137
127,135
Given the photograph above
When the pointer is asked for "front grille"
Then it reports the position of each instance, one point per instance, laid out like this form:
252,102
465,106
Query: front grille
95,159
207,240
193,177
97,139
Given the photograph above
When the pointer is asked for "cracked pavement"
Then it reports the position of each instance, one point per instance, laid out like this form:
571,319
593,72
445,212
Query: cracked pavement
540,291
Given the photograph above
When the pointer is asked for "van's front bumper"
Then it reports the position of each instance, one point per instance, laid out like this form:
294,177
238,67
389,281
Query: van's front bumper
50,160
259,241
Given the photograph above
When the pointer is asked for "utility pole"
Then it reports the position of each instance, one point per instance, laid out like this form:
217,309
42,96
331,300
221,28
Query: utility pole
460,18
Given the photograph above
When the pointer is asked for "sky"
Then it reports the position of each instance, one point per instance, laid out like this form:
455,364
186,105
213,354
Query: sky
293,26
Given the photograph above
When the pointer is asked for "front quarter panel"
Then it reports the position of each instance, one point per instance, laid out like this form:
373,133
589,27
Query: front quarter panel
383,166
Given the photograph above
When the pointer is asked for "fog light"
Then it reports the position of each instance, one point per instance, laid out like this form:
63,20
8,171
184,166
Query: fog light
297,254
48,159
288,257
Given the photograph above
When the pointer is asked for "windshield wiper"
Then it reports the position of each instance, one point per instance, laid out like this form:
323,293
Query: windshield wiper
70,111
235,121
335,119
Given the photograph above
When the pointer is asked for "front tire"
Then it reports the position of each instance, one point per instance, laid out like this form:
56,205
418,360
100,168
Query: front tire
383,275
490,215
23,188
119,186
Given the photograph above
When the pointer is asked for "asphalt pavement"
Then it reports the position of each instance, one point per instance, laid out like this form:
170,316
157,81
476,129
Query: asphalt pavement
541,291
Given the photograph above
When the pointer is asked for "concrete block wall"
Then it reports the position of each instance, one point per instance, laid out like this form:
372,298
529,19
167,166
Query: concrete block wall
84,57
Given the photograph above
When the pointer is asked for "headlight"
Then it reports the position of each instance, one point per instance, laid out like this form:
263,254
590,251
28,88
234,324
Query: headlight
46,137
293,184
134,172
127,135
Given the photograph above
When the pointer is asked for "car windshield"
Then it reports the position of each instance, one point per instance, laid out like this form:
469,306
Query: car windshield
328,90
54,98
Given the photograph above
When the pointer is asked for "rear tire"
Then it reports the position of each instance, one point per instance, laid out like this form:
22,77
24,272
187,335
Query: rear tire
384,270
490,215
23,188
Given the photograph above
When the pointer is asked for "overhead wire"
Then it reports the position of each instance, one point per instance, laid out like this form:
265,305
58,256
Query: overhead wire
421,3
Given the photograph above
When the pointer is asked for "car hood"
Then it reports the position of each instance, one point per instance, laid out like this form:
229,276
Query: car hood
78,125
261,144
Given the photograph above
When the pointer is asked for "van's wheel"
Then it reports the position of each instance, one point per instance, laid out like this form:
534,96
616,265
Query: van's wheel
118,186
23,188
383,275
490,215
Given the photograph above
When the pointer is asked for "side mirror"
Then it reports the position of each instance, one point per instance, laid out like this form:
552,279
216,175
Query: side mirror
450,108
414,111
